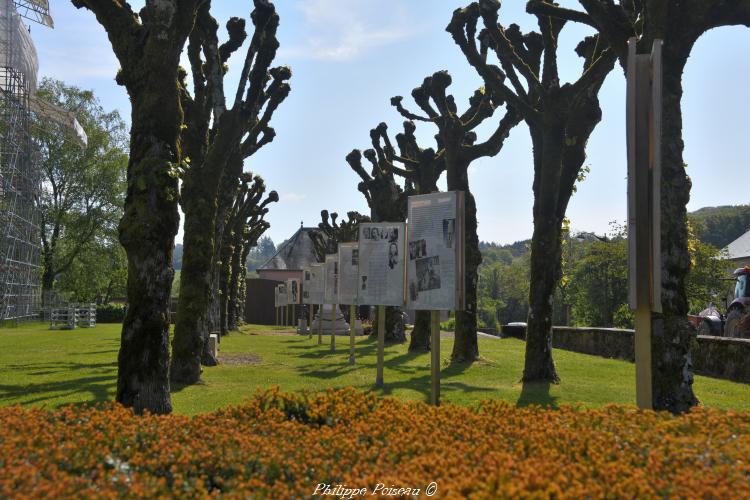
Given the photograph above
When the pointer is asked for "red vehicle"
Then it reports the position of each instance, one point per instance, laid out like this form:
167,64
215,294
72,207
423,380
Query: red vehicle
736,323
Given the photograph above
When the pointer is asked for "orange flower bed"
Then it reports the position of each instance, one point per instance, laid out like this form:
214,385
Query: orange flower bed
348,443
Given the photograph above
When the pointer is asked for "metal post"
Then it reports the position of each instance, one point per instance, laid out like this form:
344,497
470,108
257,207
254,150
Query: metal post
381,346
352,320
333,327
435,357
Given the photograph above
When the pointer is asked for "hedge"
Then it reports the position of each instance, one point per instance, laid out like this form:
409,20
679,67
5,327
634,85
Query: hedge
110,313
285,446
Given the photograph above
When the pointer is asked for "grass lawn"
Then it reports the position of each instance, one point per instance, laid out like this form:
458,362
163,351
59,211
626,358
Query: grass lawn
45,367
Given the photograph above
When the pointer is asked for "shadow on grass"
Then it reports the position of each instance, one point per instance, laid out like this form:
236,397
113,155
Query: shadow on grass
98,381
536,393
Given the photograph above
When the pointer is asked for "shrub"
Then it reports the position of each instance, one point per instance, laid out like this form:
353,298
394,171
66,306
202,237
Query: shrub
110,313
282,446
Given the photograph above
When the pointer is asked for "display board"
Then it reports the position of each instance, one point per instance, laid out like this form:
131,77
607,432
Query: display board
435,264
312,284
381,270
331,275
292,290
348,273
281,297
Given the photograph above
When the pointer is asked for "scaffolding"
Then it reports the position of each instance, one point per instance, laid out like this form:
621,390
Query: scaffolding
20,175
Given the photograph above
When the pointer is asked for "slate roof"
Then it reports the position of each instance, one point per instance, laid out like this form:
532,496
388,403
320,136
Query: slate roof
739,248
297,253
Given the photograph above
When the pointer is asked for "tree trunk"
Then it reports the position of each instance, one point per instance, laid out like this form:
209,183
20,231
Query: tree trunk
466,346
672,372
147,232
48,282
200,193
233,286
420,335
546,254
394,325
199,205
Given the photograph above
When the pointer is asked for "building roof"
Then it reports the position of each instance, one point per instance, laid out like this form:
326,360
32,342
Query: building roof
739,248
295,254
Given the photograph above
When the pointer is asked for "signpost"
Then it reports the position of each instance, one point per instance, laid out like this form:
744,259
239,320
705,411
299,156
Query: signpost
332,292
435,274
348,276
644,116
382,252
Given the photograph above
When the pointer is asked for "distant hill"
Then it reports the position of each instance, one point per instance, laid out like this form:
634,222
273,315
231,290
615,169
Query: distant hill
720,226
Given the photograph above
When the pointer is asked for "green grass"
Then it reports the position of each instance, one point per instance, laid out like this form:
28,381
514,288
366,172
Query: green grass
44,367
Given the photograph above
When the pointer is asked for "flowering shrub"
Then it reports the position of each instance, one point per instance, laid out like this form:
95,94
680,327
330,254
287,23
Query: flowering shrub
281,446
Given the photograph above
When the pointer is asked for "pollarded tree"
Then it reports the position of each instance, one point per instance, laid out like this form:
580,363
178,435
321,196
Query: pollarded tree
561,118
679,23
458,142
254,230
247,210
421,169
148,47
387,202
330,233
214,138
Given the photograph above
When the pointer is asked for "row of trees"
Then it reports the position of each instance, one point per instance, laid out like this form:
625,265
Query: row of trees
182,129
520,74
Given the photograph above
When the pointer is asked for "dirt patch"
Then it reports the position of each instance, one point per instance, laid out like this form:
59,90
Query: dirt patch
239,359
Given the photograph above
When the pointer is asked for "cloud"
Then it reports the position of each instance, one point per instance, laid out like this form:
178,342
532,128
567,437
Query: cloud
342,31
292,197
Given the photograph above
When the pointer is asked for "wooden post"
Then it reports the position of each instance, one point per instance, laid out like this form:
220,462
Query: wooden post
293,321
435,357
333,327
310,323
352,320
320,324
381,346
286,315
276,315
644,103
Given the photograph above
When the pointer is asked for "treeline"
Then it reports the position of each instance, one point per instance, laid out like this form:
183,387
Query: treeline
593,288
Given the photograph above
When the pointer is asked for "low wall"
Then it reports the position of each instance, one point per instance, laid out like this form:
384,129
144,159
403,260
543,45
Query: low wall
719,357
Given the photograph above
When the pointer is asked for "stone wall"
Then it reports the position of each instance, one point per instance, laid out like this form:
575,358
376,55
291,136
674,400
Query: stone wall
713,356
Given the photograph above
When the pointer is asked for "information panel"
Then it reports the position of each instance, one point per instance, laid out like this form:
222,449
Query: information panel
381,270
331,287
312,284
348,273
282,297
435,264
292,290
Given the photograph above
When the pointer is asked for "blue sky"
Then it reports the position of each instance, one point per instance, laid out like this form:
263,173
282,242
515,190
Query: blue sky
350,56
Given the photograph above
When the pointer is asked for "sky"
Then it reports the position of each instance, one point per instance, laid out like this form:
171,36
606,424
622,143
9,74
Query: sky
349,57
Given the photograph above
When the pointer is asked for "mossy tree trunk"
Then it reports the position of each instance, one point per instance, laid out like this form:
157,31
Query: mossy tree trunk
148,51
218,139
561,118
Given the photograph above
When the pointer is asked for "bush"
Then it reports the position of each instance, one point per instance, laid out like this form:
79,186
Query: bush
283,446
449,325
110,313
